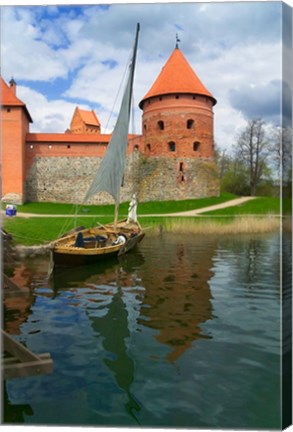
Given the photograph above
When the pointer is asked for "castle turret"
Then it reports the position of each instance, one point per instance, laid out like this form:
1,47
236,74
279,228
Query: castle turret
178,113
15,120
84,121
177,128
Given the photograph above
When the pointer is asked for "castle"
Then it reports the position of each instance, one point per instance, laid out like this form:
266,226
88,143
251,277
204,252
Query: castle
173,158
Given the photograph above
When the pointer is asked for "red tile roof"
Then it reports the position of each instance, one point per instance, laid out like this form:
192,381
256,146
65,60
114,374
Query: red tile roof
177,76
89,117
8,98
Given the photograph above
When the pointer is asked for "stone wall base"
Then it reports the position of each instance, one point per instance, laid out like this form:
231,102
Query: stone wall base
66,179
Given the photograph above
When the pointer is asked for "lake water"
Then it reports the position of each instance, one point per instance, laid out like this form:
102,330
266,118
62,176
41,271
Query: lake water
184,332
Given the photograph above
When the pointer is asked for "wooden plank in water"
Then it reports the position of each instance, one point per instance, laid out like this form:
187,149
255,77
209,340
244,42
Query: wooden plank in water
11,368
23,362
16,349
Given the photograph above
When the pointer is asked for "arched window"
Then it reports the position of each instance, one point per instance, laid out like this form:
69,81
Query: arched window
136,147
145,127
161,125
189,123
196,146
172,146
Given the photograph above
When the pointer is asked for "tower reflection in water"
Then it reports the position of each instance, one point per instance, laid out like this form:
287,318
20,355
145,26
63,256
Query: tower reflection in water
177,297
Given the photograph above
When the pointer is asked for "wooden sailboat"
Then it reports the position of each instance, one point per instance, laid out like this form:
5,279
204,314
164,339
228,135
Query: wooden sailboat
87,245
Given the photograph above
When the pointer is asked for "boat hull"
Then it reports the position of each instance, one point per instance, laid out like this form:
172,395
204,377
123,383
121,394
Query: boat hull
65,253
70,260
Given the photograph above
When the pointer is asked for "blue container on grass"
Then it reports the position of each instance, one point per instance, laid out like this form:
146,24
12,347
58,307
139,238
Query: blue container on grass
10,210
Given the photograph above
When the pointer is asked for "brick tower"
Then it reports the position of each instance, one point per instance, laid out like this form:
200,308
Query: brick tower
178,112
177,125
15,120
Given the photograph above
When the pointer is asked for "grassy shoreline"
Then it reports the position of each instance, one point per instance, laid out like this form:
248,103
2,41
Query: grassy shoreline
39,231
151,207
257,216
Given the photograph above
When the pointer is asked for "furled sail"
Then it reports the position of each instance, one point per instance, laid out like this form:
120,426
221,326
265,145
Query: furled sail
111,170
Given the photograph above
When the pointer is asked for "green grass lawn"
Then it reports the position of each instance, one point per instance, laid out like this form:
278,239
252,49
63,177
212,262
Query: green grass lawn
143,208
39,230
36,231
258,206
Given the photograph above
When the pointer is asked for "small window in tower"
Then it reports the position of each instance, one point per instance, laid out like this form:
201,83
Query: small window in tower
148,148
172,146
176,97
189,123
8,110
160,98
196,146
68,146
136,147
161,125
181,167
145,127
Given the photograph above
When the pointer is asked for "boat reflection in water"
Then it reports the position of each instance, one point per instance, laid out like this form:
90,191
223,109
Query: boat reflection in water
113,328
110,321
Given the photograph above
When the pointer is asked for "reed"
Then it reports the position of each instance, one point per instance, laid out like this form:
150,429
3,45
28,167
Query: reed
239,225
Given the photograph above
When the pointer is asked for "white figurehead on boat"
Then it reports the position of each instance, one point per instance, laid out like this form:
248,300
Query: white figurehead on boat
132,210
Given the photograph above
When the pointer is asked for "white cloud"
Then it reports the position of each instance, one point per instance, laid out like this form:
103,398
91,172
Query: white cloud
48,116
229,45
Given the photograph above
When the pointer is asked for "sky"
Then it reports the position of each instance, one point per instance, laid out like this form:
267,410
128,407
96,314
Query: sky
71,55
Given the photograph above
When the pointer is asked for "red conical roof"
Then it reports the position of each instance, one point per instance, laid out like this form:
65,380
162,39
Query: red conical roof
8,98
177,76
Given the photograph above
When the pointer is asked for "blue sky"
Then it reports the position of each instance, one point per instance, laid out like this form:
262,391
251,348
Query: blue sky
64,56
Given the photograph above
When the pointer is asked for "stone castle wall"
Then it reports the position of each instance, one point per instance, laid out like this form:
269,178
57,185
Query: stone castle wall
66,179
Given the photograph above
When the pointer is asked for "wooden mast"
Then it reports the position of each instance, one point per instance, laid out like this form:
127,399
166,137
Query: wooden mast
117,202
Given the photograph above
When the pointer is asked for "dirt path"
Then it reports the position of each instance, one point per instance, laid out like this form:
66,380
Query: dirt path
231,203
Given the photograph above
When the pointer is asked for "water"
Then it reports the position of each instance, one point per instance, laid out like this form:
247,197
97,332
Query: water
184,332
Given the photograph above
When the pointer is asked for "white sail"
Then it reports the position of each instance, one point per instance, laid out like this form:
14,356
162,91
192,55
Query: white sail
111,170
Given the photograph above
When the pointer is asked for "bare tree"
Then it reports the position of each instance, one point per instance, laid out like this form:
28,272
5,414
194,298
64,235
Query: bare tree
281,151
252,150
223,161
